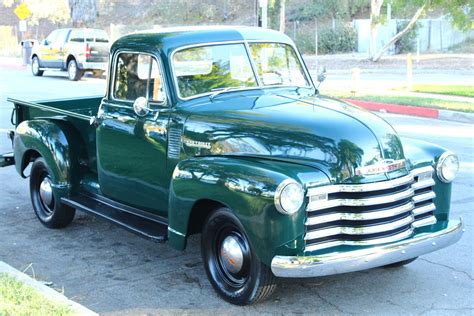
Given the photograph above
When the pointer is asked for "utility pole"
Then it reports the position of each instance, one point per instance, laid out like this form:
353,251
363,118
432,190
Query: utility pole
264,6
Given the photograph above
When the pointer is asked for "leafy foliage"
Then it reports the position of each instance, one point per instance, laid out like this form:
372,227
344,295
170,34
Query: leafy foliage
407,42
461,12
341,39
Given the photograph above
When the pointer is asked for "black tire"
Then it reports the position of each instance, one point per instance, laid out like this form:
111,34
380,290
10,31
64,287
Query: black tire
35,67
400,264
49,210
251,281
73,71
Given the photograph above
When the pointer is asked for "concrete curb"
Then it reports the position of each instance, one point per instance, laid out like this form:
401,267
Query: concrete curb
415,111
46,291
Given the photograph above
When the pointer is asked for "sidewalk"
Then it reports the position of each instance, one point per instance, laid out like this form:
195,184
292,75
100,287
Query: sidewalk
11,63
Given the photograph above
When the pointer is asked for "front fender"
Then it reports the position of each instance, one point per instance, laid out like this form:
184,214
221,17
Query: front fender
50,141
247,186
420,154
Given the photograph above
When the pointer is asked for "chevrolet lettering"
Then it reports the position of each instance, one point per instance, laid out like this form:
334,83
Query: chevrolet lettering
220,131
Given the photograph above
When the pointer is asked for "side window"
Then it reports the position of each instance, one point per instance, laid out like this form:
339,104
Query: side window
138,75
61,38
77,36
52,37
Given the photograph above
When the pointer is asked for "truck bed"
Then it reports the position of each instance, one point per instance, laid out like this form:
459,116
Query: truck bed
75,113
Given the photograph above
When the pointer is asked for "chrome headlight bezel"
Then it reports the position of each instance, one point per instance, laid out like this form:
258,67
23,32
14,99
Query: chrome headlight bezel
441,167
280,194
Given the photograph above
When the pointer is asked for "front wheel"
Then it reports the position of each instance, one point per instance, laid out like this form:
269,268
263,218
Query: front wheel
48,208
73,72
233,269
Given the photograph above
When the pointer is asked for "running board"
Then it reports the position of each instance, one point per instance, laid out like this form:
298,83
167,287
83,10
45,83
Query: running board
145,225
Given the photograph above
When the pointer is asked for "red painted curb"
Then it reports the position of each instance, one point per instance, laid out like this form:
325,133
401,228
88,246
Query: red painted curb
396,108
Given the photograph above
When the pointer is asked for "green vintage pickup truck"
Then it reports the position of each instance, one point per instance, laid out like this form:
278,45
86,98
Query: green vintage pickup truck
221,131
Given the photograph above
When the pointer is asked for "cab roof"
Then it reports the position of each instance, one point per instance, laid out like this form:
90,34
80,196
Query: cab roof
169,39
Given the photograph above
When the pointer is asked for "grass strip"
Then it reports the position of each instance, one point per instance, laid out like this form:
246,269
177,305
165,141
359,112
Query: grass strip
406,100
460,90
19,299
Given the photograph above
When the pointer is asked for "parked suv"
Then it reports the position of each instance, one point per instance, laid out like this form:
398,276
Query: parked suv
74,50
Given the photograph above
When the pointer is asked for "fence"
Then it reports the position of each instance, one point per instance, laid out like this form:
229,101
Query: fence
433,34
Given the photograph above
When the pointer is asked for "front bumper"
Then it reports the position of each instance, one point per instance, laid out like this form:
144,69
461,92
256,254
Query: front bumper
342,262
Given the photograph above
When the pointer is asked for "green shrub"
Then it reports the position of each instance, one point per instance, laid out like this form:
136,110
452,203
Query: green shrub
407,42
342,39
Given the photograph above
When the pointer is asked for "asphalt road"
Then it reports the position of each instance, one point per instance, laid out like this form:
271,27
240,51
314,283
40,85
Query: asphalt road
112,271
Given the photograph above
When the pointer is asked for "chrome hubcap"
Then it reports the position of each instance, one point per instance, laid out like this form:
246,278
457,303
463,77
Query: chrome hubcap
72,70
46,192
232,255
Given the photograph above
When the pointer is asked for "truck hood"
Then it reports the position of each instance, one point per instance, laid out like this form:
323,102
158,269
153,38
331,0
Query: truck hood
340,139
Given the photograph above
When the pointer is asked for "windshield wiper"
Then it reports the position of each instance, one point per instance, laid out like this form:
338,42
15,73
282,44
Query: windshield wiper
218,91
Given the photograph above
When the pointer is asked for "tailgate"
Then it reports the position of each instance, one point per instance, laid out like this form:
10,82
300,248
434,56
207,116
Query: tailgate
99,52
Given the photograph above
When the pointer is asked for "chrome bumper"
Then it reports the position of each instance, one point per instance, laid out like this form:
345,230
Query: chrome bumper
93,65
337,263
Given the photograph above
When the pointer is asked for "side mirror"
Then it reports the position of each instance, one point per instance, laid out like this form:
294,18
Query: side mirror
45,42
140,106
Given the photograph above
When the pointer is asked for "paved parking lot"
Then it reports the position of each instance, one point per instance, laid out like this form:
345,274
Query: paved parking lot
112,271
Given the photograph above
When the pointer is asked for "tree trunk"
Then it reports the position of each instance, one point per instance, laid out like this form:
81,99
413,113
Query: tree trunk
83,12
375,7
401,33
282,16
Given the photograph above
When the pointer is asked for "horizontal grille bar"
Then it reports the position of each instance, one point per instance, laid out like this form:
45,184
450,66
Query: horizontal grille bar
424,197
364,230
423,184
368,242
360,216
362,187
424,209
318,204
430,220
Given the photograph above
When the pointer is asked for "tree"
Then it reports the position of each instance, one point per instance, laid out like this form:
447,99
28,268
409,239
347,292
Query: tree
282,16
375,7
459,11
83,12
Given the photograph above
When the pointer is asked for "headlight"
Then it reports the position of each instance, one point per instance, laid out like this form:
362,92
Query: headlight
447,167
289,197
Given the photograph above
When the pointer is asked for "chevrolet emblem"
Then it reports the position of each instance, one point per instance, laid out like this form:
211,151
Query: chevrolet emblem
383,166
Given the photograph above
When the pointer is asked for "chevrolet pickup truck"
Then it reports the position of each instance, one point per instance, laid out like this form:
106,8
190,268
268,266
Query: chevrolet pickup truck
220,131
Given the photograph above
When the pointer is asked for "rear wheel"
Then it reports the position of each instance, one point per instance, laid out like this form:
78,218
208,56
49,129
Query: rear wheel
73,72
400,264
35,67
48,208
233,269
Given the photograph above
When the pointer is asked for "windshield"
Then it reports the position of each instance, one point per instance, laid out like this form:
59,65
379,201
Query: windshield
202,70
207,69
277,64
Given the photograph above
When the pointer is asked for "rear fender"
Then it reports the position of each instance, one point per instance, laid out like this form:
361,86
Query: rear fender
52,141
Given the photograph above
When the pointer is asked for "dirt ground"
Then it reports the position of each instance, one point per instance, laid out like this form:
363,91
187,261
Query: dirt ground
426,61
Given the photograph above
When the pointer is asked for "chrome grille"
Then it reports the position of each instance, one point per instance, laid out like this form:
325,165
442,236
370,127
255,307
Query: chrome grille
369,214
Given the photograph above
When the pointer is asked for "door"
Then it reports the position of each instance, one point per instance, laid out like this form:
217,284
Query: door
57,49
131,149
45,51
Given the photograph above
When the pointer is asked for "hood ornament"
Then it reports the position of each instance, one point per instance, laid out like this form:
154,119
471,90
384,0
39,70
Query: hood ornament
382,166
